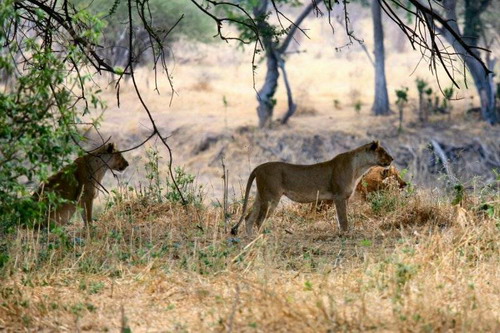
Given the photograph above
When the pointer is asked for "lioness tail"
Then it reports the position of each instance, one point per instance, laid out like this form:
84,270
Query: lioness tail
234,229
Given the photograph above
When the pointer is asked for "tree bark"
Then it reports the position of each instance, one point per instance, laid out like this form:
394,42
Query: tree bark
292,107
381,102
265,95
274,61
484,83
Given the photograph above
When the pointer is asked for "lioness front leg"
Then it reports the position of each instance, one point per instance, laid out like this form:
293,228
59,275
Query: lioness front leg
341,205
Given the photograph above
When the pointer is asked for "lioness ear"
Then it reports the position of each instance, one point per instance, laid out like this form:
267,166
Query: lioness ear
110,148
374,145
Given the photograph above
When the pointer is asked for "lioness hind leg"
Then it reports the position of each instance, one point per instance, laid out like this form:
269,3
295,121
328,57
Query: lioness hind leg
252,216
266,210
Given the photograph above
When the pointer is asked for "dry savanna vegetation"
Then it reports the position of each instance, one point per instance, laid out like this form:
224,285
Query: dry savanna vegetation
425,258
411,262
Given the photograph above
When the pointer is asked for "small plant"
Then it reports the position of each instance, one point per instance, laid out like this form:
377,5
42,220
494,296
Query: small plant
366,243
357,106
336,104
158,191
382,201
402,100
428,101
193,194
96,287
422,87
154,188
448,95
459,193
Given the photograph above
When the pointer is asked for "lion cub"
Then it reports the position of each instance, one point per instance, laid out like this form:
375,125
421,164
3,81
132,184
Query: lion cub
78,182
331,180
376,179
379,178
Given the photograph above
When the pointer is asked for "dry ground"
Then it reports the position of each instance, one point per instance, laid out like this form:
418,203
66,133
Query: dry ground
411,262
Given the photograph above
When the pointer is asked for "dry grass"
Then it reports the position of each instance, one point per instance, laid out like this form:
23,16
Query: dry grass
412,262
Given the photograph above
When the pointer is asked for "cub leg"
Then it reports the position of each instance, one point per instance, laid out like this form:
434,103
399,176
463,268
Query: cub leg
64,213
341,205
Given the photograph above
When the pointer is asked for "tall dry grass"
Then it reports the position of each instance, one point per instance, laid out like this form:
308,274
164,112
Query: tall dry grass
411,262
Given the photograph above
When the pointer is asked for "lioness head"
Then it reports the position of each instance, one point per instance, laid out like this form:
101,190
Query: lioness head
381,156
113,158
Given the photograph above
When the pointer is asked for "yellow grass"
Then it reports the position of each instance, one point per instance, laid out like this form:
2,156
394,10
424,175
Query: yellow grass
418,264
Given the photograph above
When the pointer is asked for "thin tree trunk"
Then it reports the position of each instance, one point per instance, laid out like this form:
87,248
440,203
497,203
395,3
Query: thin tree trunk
292,107
274,53
265,95
381,103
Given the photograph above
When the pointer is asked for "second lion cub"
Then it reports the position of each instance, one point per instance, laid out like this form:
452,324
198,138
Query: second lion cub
331,180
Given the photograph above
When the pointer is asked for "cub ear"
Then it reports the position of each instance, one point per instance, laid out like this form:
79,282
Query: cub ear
386,173
110,148
374,145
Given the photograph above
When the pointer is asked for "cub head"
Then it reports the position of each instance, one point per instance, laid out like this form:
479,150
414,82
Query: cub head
393,173
382,157
115,160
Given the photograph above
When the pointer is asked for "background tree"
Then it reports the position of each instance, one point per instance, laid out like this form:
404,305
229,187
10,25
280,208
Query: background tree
473,29
381,102
273,40
440,23
163,15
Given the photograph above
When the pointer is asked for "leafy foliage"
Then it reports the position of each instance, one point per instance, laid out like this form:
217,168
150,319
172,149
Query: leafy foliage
39,118
162,16
159,191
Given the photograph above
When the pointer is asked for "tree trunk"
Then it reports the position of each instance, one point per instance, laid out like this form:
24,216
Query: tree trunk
381,103
484,83
486,88
292,107
274,54
265,95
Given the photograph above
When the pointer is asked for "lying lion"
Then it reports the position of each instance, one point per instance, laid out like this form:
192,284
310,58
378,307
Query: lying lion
331,180
379,178
376,179
78,182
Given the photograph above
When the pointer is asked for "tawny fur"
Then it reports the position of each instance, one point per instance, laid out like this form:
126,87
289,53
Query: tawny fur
375,179
79,182
379,178
331,180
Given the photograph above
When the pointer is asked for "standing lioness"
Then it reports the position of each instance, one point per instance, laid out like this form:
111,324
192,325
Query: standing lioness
331,180
78,183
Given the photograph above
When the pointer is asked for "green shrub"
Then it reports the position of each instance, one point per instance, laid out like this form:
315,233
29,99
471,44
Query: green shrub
39,107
